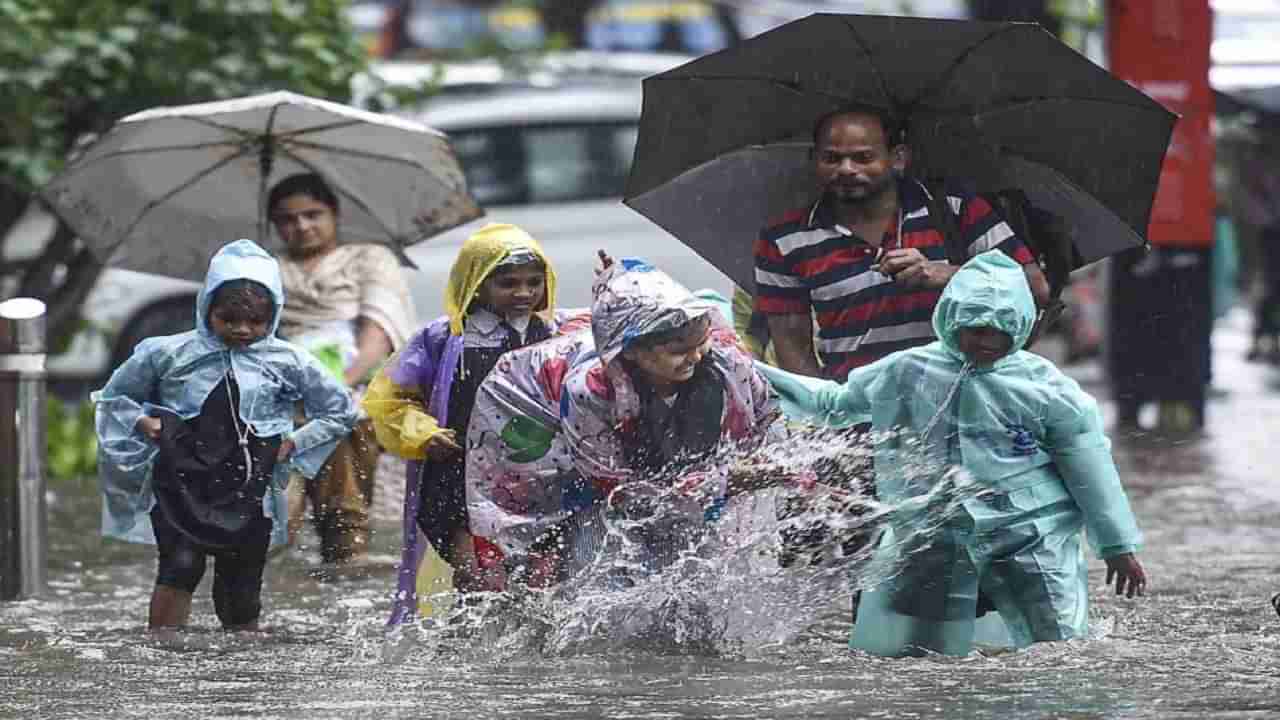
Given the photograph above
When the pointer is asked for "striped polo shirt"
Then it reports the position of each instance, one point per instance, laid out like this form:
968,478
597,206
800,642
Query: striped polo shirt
806,261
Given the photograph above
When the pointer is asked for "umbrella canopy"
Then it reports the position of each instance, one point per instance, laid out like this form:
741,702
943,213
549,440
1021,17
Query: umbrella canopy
725,139
165,188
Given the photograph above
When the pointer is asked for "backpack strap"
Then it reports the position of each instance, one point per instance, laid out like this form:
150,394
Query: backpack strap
946,221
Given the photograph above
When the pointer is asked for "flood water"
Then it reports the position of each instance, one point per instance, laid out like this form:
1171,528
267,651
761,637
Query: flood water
1204,644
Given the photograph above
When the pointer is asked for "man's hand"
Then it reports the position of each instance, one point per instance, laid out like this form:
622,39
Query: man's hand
910,268
149,426
1130,578
286,449
442,446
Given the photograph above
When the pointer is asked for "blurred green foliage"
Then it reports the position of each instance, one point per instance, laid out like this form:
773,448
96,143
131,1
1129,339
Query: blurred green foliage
71,68
72,445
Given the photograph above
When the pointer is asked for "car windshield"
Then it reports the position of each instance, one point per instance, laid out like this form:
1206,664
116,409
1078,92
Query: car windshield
521,165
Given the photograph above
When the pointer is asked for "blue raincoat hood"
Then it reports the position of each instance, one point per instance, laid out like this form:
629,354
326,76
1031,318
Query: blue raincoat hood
988,291
240,260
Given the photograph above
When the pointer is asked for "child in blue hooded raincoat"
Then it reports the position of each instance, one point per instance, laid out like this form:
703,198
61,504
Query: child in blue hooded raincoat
1021,429
190,429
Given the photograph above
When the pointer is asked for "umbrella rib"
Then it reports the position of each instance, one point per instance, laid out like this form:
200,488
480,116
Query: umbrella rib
337,150
945,77
174,193
866,50
291,133
322,128
264,173
793,87
162,148
246,134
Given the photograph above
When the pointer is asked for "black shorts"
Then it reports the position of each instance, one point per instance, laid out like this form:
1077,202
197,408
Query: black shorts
442,505
237,572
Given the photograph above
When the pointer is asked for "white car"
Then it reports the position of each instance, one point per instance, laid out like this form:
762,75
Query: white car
553,161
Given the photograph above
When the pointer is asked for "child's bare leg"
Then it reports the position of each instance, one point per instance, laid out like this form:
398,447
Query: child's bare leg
465,568
170,608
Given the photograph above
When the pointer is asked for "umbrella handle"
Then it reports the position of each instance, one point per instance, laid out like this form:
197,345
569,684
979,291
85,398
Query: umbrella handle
266,159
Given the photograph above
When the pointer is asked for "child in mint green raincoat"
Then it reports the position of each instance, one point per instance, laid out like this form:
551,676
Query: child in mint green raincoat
1023,430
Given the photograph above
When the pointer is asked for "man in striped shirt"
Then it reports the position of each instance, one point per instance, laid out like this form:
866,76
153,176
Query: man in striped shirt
867,260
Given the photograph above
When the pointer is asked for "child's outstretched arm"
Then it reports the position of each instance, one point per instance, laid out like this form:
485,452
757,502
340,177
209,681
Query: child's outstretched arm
824,402
330,413
401,422
1082,454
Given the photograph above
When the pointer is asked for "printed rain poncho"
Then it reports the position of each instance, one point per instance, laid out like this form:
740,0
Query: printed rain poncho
618,432
633,299
1021,428
409,400
176,373
521,480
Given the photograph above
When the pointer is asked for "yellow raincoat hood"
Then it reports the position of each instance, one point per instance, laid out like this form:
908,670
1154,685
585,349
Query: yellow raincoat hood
480,254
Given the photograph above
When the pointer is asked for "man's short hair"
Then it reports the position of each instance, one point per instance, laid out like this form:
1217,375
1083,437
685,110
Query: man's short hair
894,128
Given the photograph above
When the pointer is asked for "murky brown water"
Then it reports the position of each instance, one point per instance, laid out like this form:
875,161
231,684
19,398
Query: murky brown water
1204,643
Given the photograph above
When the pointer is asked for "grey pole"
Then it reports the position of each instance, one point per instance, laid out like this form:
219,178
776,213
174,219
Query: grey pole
24,526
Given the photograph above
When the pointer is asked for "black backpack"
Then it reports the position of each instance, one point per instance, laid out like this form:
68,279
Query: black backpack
1043,233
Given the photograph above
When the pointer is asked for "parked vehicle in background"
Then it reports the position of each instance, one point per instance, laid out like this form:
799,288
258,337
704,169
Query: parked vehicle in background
551,160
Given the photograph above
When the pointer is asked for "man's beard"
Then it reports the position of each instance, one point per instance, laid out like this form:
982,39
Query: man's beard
873,192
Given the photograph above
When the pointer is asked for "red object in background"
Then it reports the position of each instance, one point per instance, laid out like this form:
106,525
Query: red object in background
1162,48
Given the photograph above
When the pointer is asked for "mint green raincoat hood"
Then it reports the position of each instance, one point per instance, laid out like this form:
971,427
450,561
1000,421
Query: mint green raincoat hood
176,373
988,291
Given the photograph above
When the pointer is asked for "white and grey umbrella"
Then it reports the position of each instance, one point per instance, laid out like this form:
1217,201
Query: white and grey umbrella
165,188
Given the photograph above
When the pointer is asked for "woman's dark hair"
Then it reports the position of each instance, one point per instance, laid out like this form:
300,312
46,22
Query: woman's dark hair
649,341
309,184
245,296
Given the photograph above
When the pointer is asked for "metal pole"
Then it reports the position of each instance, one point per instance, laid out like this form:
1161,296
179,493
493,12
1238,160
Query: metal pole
24,527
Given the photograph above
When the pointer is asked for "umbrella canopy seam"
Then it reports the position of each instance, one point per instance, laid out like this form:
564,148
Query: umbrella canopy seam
945,78
1150,106
275,99
152,204
866,50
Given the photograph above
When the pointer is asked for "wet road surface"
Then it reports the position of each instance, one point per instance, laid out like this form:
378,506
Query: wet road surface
1204,644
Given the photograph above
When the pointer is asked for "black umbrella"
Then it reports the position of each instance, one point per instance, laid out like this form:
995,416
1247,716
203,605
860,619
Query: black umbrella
724,139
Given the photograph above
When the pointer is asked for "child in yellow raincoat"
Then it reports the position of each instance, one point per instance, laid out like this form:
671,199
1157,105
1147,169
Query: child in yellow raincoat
500,296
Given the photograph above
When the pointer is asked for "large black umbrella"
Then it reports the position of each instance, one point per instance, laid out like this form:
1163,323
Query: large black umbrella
724,139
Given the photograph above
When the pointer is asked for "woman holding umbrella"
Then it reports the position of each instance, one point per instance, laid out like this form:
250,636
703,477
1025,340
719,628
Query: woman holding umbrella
350,306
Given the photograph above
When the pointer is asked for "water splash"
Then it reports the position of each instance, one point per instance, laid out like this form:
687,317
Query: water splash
660,579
